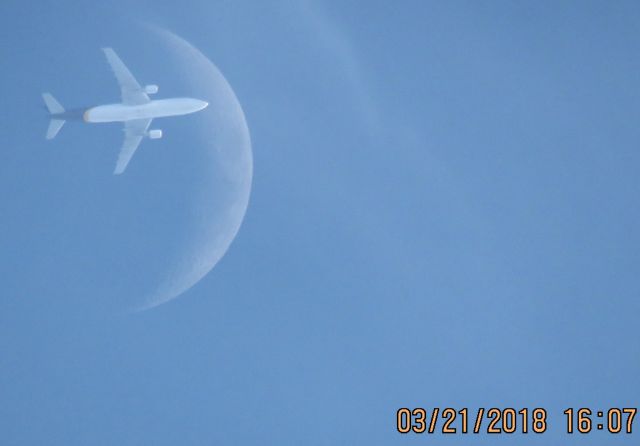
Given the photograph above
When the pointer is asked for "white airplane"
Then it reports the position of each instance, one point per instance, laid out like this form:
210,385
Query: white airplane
136,111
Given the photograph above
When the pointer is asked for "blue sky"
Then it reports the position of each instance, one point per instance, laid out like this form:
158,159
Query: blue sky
442,215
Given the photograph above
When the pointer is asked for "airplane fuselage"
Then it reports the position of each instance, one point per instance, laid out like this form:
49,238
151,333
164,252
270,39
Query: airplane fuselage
136,111
154,109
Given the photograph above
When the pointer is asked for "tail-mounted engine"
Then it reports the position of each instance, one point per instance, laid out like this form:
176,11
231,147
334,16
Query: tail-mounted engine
154,134
151,89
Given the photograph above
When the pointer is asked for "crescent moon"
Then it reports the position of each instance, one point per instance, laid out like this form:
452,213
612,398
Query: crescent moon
223,195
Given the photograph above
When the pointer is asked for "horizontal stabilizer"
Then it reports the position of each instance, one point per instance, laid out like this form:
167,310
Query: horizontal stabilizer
53,106
54,127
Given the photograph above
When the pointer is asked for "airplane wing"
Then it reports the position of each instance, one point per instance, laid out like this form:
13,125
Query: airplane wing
131,91
134,131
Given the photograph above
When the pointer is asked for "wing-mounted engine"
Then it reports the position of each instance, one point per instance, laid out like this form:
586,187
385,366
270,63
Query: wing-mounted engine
151,89
154,134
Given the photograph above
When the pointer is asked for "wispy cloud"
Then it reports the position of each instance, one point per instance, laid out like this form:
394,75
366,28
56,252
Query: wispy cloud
338,44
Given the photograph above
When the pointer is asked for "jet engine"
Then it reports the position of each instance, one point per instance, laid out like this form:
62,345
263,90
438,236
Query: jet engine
154,134
151,89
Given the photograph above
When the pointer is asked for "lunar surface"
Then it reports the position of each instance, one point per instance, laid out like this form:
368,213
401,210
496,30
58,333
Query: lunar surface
223,191
103,243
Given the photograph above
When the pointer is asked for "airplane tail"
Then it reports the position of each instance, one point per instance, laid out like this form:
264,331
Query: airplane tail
54,108
54,127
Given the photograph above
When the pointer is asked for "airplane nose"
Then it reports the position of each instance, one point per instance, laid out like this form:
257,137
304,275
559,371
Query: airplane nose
199,105
195,105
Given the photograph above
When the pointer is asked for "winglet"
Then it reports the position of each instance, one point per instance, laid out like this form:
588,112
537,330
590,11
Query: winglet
121,165
108,51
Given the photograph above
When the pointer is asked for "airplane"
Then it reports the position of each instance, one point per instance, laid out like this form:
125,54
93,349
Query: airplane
136,111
